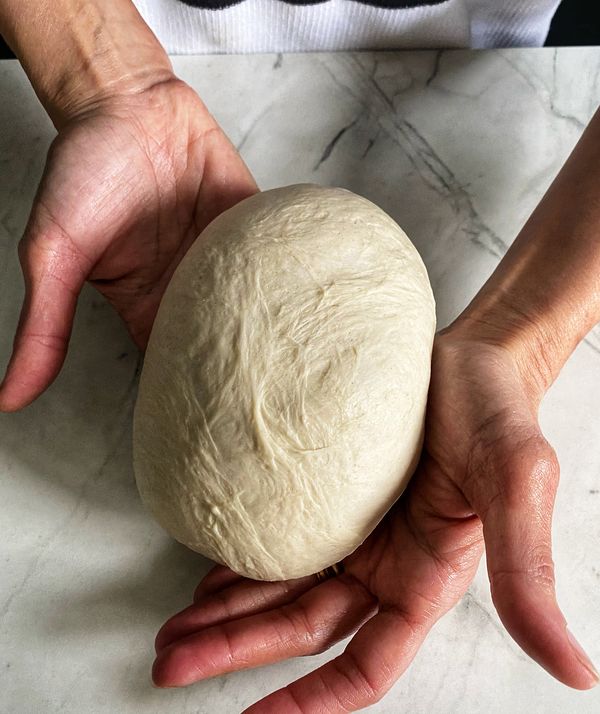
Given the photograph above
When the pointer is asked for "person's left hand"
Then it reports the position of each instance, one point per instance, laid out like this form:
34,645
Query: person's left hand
487,474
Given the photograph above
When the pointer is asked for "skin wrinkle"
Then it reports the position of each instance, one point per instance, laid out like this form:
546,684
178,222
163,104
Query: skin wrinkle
57,244
282,375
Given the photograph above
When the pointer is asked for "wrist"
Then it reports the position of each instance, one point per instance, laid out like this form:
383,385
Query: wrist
537,349
84,92
98,50
544,296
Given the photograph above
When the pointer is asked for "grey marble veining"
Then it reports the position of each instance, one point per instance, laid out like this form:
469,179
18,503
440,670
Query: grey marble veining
459,147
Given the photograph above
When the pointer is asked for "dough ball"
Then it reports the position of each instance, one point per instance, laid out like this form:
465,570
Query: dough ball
282,399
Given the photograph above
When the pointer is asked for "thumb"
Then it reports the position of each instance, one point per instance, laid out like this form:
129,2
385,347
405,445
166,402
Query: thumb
54,274
515,502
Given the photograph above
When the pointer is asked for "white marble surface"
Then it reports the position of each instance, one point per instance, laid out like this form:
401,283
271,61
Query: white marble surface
458,147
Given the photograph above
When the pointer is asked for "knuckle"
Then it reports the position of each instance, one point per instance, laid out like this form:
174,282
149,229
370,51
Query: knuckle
540,567
303,630
225,602
34,253
24,252
534,474
541,574
369,690
295,701
231,651
541,460
49,342
525,473
317,649
538,571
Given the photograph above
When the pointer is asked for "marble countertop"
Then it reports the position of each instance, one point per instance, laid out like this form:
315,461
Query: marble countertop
458,146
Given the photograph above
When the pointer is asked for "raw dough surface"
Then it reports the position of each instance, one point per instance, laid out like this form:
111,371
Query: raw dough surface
282,399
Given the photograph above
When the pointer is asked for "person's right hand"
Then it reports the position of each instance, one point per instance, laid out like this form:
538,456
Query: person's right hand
129,184
487,475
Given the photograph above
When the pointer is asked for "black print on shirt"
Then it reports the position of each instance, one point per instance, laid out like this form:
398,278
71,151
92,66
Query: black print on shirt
390,4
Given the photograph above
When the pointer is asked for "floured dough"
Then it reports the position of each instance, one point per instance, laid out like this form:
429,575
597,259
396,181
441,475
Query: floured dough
281,404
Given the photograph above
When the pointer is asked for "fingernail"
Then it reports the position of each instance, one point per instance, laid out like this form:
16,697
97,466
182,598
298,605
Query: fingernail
582,656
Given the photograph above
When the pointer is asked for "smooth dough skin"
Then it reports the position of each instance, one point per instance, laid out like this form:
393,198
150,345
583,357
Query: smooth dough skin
281,404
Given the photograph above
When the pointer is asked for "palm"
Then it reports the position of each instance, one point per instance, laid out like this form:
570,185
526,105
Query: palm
412,569
126,189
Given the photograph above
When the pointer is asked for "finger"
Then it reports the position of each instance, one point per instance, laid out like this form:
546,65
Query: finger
243,598
435,560
216,579
373,660
517,519
53,279
313,622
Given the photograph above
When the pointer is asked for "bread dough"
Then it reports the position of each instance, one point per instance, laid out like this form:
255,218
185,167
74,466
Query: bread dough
282,399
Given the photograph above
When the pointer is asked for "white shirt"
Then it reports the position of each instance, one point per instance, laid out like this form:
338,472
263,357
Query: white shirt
287,26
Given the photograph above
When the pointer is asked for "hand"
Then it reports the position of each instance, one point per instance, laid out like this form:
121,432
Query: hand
129,183
487,474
